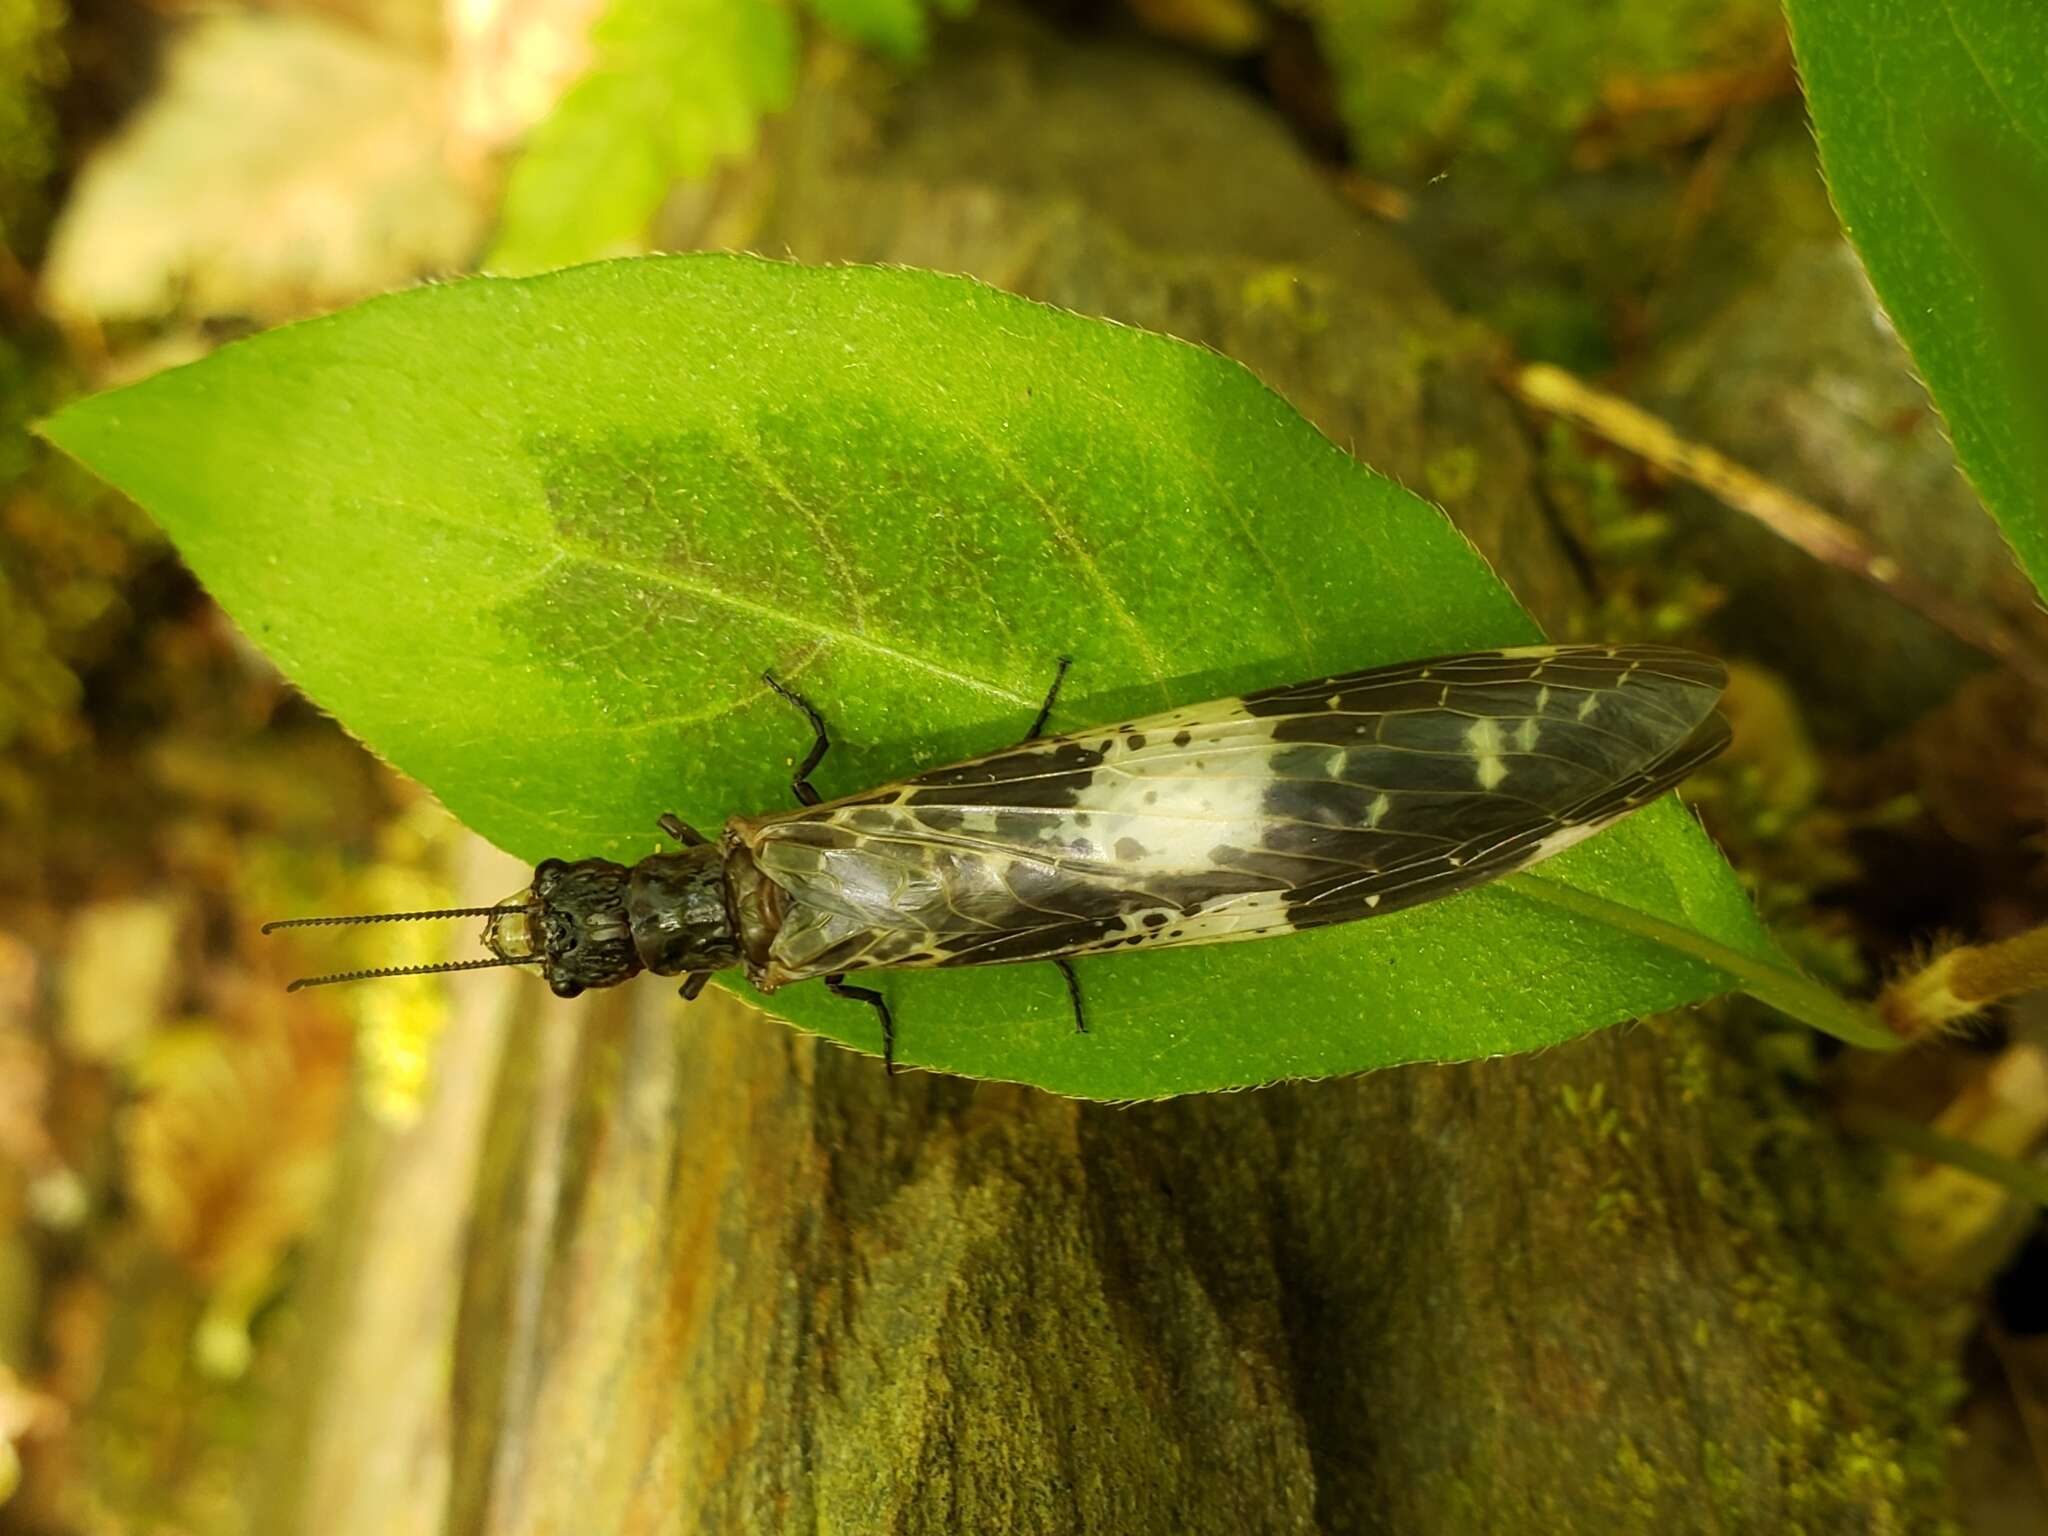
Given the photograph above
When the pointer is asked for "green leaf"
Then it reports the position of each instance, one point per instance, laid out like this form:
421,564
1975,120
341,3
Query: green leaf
536,540
1933,129
678,85
892,27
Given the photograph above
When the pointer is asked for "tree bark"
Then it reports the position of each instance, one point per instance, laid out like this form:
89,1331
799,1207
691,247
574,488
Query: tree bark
721,1277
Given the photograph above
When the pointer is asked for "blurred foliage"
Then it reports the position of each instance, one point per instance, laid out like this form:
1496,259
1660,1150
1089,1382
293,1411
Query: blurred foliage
168,1120
1583,178
1595,269
68,554
897,29
31,63
1519,88
676,87
68,550
1616,517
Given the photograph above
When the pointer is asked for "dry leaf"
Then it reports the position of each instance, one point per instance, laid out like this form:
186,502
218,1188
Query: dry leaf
285,166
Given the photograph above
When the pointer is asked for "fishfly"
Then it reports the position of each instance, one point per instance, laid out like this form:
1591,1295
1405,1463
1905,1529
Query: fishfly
1287,809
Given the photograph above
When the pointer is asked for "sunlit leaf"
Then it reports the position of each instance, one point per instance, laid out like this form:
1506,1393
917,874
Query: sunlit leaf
536,540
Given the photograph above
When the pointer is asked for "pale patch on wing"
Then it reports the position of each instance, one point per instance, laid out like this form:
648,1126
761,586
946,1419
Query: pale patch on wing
1563,838
1483,737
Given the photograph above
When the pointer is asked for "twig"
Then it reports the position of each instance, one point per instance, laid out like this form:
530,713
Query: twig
1791,517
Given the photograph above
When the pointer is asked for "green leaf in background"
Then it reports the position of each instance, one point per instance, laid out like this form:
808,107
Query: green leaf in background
677,86
1933,129
1502,87
535,541
898,29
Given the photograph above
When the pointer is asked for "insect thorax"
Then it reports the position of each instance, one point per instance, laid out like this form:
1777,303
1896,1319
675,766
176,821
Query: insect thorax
677,905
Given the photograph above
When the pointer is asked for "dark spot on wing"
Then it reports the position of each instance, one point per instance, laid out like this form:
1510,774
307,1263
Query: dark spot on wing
1039,777
938,818
1136,741
1129,849
1155,919
1181,738
1034,944
1019,827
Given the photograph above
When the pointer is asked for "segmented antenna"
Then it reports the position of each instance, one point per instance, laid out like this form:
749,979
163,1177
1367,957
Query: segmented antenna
384,917
380,972
407,970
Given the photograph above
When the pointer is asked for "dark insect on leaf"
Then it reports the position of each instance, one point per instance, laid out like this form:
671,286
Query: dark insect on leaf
1287,809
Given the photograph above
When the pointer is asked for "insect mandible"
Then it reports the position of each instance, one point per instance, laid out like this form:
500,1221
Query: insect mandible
1291,808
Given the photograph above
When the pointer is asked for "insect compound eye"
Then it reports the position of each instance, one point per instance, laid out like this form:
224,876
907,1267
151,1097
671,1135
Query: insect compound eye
565,986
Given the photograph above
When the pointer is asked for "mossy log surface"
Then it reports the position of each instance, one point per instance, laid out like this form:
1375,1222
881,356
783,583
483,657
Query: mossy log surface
718,1277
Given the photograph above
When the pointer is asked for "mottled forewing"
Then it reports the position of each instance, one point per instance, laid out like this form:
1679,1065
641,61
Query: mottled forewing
1286,809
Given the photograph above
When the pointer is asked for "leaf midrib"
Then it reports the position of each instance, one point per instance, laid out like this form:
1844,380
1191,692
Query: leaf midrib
557,550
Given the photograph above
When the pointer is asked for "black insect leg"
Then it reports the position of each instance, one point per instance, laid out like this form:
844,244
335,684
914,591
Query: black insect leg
1051,695
693,984
800,781
681,830
837,986
1074,995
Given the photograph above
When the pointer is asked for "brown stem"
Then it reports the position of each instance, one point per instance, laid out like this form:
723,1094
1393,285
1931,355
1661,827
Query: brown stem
1791,517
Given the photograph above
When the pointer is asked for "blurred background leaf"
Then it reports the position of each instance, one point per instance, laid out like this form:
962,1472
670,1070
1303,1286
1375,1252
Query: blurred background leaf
675,88
31,63
1514,88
